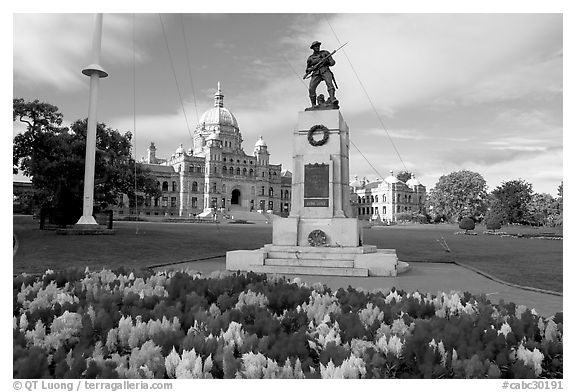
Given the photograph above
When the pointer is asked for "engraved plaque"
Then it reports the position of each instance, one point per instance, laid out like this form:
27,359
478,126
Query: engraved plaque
316,185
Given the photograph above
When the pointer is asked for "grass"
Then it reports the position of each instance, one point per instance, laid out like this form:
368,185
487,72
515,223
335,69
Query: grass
524,261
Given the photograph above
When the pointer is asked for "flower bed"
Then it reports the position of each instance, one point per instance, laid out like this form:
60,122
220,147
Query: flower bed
182,325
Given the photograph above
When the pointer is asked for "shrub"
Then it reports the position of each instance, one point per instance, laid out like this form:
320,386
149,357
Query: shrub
467,224
404,217
493,221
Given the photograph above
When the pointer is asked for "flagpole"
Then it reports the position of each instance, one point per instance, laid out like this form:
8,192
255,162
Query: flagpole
95,72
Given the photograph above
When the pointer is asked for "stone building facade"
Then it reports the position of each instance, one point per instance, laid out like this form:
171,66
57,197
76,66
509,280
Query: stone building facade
383,200
216,174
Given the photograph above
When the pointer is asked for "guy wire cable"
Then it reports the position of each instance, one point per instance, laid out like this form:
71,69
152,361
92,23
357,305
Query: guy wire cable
189,66
134,117
175,77
367,95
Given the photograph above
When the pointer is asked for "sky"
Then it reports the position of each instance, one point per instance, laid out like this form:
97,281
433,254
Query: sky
431,93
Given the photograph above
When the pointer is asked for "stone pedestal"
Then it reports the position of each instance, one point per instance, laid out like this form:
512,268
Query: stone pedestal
321,236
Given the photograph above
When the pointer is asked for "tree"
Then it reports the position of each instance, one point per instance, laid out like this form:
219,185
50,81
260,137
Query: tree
54,156
404,175
541,209
459,194
467,224
513,198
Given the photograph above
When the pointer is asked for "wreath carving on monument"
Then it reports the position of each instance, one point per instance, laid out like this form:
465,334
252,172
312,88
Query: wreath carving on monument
317,238
313,130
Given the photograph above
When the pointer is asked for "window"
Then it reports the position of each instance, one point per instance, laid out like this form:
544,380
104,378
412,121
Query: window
231,170
156,201
194,202
271,192
251,172
244,171
238,171
359,209
224,158
172,202
262,190
270,205
244,161
174,186
165,186
194,186
223,188
158,185
376,198
164,201
224,169
410,199
359,200
363,200
198,169
214,187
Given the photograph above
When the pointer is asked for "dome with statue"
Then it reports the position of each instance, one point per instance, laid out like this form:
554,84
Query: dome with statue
218,117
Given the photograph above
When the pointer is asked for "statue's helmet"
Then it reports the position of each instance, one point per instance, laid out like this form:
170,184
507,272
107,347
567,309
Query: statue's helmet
315,43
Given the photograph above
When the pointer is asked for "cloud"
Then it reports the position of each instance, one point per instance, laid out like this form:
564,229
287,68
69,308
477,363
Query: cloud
53,53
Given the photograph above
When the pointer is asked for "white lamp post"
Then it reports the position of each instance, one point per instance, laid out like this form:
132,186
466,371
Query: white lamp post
95,72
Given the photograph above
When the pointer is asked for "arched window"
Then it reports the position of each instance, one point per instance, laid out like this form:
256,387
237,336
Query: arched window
251,172
223,188
224,169
359,200
376,198
231,170
174,186
244,171
371,199
165,186
363,199
270,191
238,171
194,186
409,198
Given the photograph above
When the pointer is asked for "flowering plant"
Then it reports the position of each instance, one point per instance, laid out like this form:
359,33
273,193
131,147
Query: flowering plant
183,325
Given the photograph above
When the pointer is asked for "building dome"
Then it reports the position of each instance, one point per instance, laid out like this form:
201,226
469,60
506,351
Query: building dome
260,143
180,150
218,115
413,182
355,183
391,179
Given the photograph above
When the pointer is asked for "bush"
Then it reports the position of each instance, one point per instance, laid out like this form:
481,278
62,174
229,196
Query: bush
404,217
493,221
467,224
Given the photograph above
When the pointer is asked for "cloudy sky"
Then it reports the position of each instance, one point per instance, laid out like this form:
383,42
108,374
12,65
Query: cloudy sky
430,93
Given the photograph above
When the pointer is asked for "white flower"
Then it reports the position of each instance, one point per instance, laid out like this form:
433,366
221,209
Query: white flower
23,322
551,333
395,345
352,367
171,362
505,329
393,295
370,314
251,298
234,334
532,359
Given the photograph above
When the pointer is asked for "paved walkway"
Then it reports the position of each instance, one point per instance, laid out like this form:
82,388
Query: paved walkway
424,277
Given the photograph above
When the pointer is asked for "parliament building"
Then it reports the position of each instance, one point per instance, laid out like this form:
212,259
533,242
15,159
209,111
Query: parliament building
216,175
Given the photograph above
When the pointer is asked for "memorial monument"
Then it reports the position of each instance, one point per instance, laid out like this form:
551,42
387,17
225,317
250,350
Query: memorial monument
320,236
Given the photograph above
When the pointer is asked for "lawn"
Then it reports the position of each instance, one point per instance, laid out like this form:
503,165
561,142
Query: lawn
528,262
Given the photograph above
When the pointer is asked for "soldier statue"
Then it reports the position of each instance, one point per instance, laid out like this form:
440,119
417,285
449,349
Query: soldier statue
318,67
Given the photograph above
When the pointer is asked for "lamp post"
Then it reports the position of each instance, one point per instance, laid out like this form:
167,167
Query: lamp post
95,72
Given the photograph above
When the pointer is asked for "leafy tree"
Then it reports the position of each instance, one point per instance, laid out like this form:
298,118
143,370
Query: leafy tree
541,209
404,175
53,156
513,198
459,194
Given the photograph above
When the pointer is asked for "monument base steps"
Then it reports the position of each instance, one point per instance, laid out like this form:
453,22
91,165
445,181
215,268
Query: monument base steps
302,260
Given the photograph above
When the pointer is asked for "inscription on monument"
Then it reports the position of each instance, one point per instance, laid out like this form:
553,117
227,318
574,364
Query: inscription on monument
316,185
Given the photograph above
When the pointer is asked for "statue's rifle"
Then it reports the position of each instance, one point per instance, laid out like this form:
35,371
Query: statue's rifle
321,63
